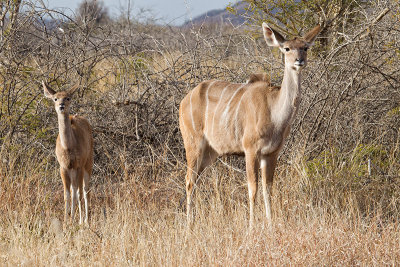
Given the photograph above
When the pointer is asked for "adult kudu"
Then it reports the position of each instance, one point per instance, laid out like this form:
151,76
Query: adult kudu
218,118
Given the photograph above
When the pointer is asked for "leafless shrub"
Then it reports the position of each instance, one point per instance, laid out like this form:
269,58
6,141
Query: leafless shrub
92,11
135,75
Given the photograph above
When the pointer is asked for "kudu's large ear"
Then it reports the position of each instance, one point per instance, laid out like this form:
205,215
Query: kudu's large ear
311,35
72,90
272,37
48,92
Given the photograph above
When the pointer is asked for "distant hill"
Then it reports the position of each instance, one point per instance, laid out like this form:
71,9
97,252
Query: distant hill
218,16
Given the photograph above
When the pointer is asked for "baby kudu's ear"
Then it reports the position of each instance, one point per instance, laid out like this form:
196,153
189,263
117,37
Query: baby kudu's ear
48,92
72,90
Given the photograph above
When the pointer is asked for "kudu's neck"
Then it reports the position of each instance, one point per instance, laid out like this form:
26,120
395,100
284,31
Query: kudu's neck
288,98
65,131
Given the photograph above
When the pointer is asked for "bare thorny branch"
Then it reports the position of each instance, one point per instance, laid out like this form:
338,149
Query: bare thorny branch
135,75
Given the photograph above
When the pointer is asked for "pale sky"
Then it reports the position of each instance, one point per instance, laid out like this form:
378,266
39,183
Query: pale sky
174,12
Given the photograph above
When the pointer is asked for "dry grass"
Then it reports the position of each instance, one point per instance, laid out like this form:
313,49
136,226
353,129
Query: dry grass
135,222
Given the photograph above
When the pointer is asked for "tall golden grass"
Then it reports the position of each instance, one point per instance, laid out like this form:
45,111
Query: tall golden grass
319,219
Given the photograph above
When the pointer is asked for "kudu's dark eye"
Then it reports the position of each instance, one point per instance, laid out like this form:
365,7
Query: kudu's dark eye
287,49
305,48
55,99
68,99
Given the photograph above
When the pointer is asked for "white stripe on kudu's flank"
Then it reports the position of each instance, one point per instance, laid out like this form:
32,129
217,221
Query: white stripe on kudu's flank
216,108
207,103
224,115
236,118
191,111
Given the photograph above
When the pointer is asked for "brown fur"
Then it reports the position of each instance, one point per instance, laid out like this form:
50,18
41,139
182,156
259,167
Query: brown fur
218,118
72,158
259,77
74,151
